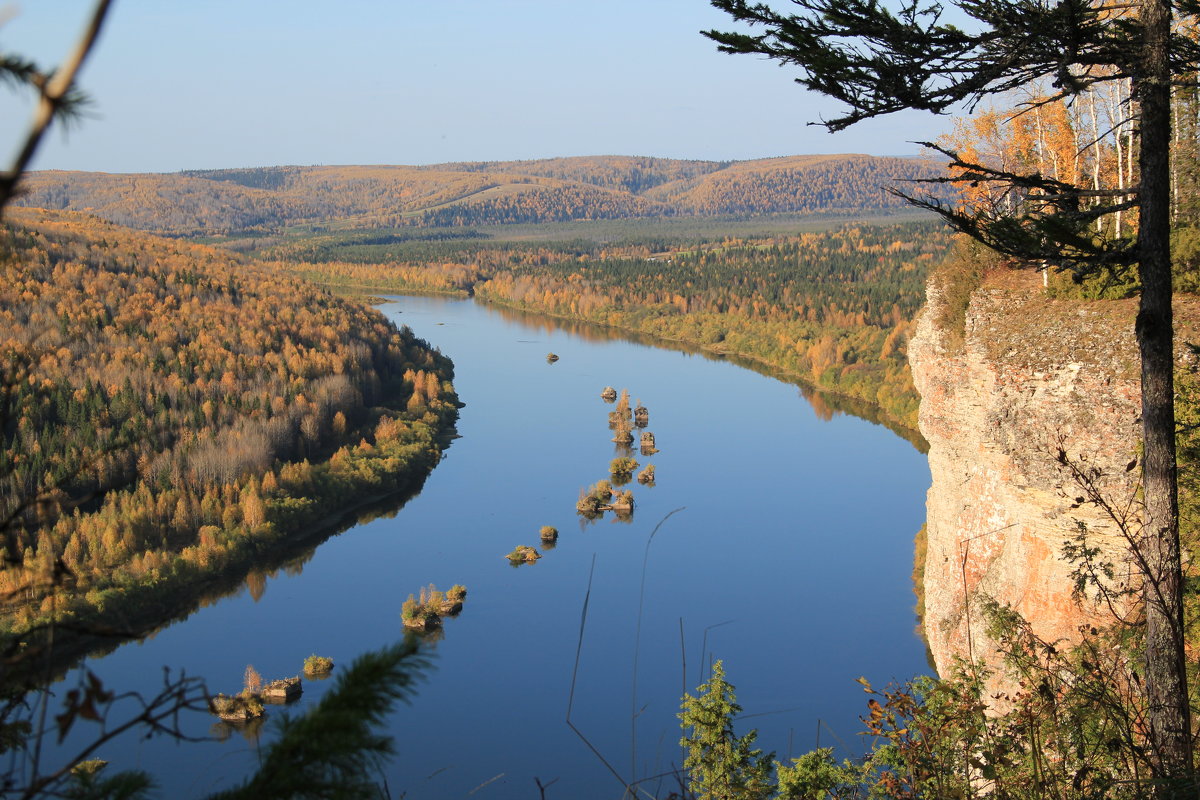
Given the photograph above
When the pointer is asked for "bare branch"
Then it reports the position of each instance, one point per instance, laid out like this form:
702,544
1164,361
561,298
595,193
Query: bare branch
55,92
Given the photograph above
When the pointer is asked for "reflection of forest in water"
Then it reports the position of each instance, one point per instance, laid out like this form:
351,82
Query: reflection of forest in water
291,556
288,557
534,435
825,405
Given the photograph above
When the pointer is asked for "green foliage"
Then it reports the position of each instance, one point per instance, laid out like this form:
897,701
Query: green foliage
426,613
829,304
1187,417
204,437
1102,284
956,279
719,764
318,665
242,706
523,554
593,497
1072,728
622,465
920,550
408,609
833,308
817,776
1185,257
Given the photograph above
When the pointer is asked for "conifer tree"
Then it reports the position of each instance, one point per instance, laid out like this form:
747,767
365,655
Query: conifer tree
877,61
720,764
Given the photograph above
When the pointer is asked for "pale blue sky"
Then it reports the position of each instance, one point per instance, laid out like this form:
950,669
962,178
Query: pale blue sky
185,84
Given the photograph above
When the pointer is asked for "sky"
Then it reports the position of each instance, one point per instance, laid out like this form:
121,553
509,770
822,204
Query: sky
181,84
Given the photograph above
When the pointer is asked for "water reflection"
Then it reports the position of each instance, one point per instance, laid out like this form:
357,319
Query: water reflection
782,544
251,730
826,404
288,557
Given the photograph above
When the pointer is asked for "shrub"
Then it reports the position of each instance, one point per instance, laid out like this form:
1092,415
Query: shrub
418,614
425,612
318,665
588,503
593,497
549,533
622,466
409,609
242,706
523,554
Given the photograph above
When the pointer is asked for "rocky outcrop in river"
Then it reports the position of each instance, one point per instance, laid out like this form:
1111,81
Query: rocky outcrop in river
1027,375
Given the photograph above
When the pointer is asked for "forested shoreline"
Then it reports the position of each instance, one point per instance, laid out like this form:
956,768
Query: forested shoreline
831,308
172,413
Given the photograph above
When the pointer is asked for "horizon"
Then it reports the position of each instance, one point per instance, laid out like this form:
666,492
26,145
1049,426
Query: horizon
729,161
180,87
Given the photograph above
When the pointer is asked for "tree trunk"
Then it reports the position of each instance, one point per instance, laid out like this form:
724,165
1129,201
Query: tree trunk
1166,678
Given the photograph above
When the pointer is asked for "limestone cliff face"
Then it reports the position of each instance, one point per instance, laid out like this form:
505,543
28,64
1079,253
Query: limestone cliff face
1028,373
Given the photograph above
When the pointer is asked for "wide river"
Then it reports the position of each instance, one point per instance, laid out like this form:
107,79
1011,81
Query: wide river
790,560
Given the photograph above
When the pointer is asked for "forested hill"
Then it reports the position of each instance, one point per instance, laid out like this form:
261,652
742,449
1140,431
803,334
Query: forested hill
171,411
480,193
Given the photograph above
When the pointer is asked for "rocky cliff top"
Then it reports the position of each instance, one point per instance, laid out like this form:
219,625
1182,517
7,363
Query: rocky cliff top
1032,374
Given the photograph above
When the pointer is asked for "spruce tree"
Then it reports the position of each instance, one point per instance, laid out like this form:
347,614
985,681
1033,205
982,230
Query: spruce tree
877,61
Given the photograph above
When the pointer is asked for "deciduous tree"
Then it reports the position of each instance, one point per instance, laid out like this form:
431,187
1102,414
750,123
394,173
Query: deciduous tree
878,61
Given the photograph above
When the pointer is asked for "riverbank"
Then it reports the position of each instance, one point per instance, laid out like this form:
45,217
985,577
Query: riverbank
828,399
532,434
175,413
831,307
862,400
312,502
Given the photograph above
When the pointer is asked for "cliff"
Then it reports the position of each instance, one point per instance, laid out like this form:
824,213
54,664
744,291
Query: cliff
1027,375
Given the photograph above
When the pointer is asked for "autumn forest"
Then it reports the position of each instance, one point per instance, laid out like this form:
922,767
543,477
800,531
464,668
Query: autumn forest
175,411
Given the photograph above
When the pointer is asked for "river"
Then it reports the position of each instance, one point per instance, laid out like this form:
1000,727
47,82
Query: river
790,559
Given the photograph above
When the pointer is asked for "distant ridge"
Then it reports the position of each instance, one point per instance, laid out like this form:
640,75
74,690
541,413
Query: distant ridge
264,199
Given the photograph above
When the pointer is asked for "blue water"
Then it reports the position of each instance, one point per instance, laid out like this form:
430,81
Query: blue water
790,560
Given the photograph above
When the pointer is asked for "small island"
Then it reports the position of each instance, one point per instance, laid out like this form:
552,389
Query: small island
283,690
425,613
523,554
621,469
240,707
593,499
248,704
316,666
